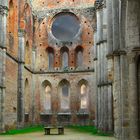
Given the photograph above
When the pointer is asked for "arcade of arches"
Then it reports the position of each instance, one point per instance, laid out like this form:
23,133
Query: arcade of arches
71,62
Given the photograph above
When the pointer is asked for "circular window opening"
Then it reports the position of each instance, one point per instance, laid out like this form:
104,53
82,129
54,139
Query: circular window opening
65,26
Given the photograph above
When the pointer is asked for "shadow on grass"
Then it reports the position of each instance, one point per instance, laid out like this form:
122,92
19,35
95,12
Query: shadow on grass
89,129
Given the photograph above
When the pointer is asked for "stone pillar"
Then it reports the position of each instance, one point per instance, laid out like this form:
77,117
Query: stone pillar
110,109
122,24
109,6
102,108
99,25
124,74
33,87
133,97
115,11
3,36
101,85
117,78
116,95
2,90
124,97
99,88
20,98
96,71
106,89
98,39
109,26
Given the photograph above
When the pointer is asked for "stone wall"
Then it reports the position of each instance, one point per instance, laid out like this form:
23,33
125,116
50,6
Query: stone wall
11,93
38,4
122,54
74,108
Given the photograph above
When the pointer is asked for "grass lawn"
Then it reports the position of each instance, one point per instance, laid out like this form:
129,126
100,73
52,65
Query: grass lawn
25,130
83,129
89,129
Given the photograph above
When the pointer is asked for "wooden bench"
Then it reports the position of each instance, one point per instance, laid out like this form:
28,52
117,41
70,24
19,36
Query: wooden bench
48,129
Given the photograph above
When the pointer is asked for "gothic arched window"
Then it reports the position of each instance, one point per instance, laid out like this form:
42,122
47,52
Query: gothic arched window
64,57
47,97
27,96
84,97
79,56
50,58
64,94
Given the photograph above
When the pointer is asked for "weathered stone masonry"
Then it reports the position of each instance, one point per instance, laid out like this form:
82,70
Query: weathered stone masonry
91,78
122,55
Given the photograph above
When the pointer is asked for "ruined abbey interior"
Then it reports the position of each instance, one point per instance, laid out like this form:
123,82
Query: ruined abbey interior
71,62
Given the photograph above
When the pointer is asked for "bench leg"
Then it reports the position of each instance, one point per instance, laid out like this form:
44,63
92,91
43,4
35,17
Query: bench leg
60,131
47,131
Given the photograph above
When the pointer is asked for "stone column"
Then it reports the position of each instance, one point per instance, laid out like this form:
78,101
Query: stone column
116,95
110,109
102,108
102,87
20,98
133,97
117,78
115,16
99,25
122,24
2,90
99,38
96,71
33,86
124,74
124,97
110,62
98,90
106,88
109,26
3,30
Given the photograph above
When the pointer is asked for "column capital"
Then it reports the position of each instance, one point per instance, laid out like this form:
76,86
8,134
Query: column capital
3,10
131,58
100,4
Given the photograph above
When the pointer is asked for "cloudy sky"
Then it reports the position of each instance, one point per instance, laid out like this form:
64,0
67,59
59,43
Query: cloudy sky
65,27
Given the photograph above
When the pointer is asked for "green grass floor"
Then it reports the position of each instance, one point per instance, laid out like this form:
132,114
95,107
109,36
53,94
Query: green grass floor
24,130
89,129
83,129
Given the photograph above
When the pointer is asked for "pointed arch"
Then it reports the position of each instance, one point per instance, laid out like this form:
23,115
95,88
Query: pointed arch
79,56
27,53
83,90
64,57
47,94
50,52
64,92
27,96
28,20
11,17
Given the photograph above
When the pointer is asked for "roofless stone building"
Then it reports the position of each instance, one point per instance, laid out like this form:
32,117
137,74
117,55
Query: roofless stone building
71,62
